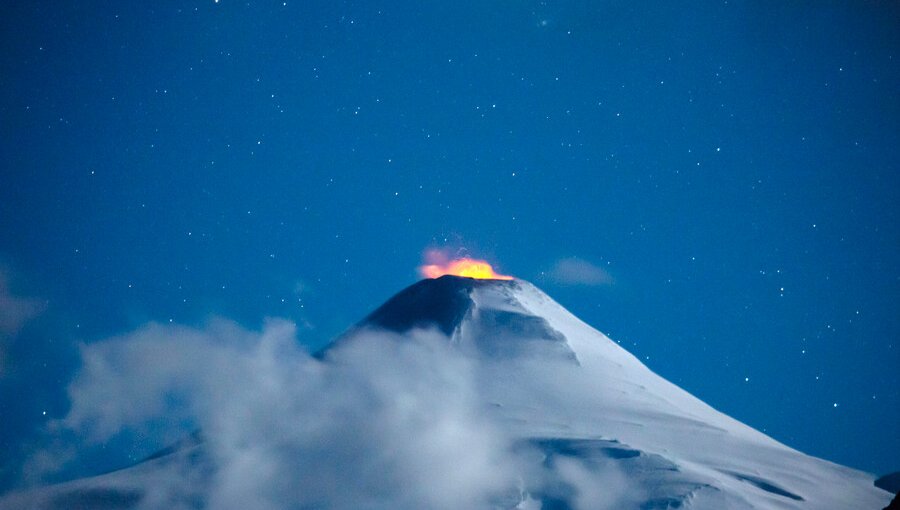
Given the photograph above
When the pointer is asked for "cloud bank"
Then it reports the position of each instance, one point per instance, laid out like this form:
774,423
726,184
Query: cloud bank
387,422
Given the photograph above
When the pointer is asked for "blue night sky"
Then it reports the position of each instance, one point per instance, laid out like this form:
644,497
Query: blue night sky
715,187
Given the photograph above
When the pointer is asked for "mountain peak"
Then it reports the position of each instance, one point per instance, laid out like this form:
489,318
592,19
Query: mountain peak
485,317
433,302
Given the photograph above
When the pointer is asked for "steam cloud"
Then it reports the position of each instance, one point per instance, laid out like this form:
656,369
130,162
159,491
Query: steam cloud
388,421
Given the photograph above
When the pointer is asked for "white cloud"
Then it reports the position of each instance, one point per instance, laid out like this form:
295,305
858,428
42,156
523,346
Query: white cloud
576,271
387,422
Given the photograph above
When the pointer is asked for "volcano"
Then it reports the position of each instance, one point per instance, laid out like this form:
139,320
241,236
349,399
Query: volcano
589,424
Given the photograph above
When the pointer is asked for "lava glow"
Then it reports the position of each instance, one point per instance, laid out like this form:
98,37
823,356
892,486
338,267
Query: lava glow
470,268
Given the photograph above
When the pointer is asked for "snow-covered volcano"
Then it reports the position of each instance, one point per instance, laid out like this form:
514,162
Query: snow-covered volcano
575,394
587,424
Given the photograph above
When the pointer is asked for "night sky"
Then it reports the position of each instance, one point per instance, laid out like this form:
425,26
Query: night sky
715,186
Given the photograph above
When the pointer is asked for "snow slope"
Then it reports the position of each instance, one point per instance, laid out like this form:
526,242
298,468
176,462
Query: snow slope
577,395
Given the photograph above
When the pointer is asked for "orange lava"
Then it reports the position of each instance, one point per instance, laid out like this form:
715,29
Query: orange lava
470,268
